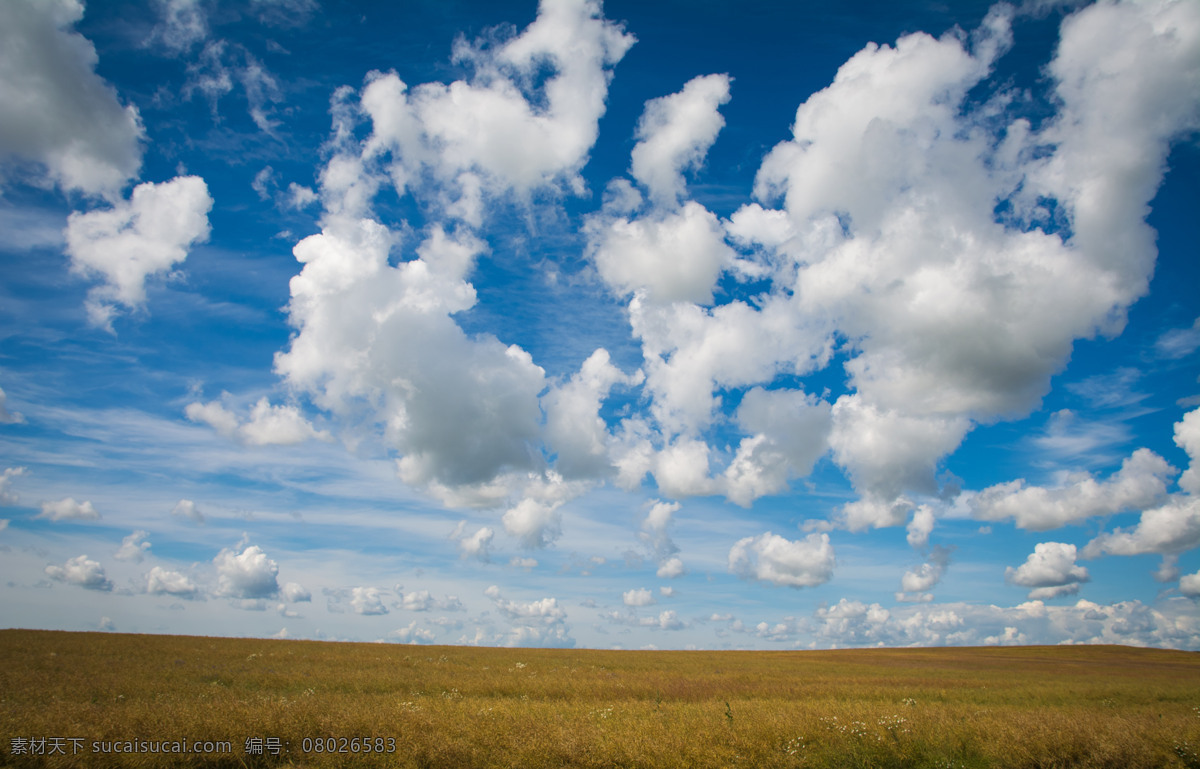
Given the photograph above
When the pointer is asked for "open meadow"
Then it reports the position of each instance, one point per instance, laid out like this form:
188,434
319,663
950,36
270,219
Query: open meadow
97,699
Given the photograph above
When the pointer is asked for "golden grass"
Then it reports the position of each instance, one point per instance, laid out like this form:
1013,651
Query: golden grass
469,707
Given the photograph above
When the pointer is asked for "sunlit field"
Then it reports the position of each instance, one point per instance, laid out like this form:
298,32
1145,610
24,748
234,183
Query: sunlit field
124,700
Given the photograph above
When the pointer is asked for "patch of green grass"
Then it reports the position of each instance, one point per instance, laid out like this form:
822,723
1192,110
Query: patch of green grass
537,708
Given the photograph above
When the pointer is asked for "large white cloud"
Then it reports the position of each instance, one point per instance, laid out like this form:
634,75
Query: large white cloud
248,574
771,558
1050,570
58,113
82,571
1140,483
1169,529
135,239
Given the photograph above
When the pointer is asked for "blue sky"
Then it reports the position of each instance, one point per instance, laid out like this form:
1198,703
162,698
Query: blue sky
674,325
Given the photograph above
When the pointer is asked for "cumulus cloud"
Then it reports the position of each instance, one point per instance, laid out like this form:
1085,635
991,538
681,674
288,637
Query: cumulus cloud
186,508
495,132
1189,585
1141,482
248,574
637,597
294,592
1169,529
666,257
772,558
671,568
1187,437
654,530
920,527
69,510
134,547
575,432
61,115
135,239
477,544
368,600
160,581
268,425
674,134
1050,570
916,583
7,495
789,431
81,571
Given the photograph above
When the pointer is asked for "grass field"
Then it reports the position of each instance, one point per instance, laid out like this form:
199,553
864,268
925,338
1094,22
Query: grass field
304,703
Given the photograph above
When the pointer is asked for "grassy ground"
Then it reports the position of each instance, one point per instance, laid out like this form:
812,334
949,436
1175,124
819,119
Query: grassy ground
468,707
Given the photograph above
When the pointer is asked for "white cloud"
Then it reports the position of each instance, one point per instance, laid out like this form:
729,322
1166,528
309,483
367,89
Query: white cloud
928,574
249,574
544,611
668,256
294,592
1168,529
81,571
1187,437
423,600
134,547
368,600
59,114
69,510
1050,570
1189,585
135,239
160,581
654,535
476,545
1140,483
575,432
637,597
789,432
7,496
496,131
186,508
414,634
268,425
920,527
771,558
671,568
674,134
376,342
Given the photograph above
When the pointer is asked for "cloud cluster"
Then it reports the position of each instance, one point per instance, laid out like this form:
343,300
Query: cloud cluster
533,623
59,114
